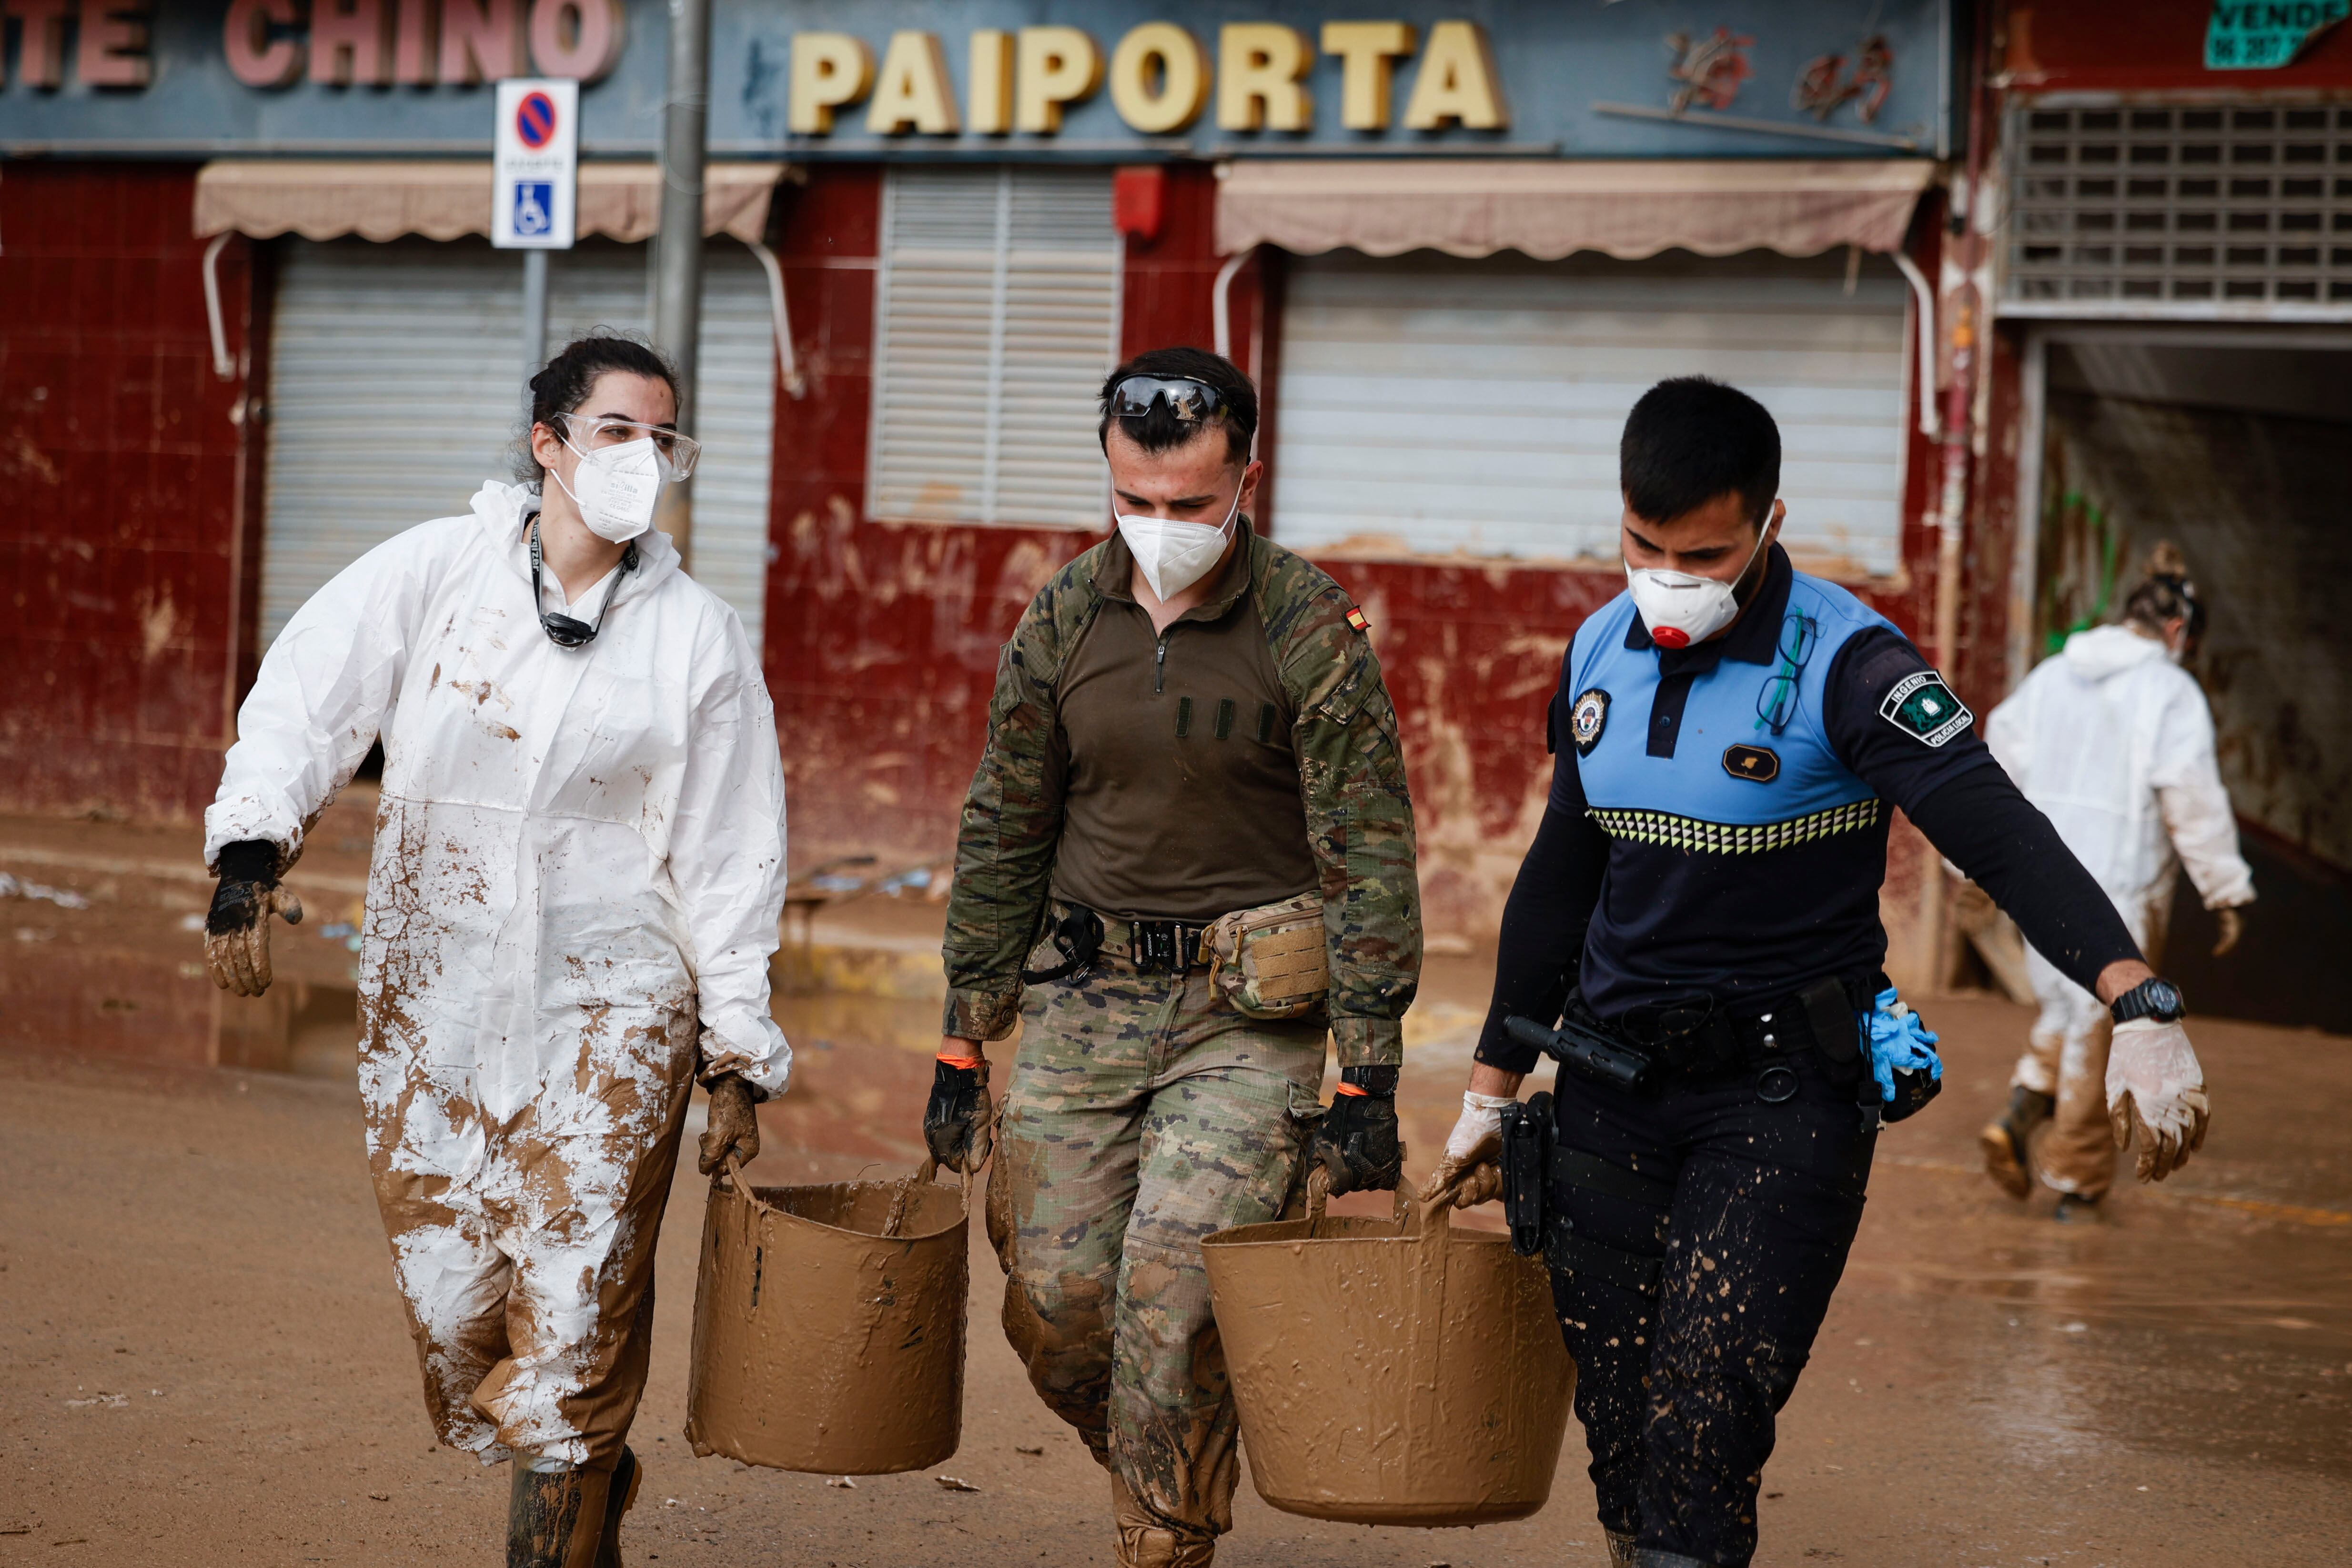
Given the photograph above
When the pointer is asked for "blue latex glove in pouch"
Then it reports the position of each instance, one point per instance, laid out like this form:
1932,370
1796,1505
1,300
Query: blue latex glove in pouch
1900,1043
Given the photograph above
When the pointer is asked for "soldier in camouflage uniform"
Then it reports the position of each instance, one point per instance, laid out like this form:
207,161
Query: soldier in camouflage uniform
1189,722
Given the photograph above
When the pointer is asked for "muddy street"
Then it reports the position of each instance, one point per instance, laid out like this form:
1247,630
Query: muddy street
205,1360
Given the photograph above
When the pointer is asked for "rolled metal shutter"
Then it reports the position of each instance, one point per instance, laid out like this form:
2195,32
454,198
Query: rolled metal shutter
396,387
1434,405
998,317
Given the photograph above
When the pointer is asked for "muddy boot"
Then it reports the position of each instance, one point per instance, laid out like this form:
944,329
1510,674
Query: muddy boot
628,1476
555,1519
2003,1140
1620,1549
1145,1542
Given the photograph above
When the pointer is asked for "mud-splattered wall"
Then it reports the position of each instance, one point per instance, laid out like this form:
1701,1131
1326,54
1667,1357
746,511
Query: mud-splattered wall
121,461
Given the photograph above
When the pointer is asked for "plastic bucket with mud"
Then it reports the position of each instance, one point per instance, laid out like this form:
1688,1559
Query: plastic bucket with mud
1391,1372
829,1325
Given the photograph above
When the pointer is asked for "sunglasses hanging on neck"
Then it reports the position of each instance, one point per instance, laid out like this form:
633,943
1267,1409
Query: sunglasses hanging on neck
564,631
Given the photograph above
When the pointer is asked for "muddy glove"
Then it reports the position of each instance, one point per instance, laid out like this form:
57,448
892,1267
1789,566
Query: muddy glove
236,931
959,1124
734,1125
2155,1094
1470,1165
1356,1142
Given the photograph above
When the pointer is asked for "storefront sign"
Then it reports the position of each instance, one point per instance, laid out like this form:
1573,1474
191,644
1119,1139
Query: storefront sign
991,78
2260,35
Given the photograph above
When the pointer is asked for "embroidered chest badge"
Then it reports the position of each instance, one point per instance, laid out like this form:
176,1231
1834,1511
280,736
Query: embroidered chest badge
1923,708
1759,764
1587,719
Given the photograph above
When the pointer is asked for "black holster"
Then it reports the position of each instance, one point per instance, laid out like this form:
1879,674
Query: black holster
1527,1171
1077,937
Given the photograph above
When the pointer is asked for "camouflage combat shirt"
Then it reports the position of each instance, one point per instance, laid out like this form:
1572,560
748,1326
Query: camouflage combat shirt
1351,785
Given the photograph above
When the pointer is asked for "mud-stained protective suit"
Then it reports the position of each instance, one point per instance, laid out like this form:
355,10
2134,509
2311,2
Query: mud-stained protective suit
2114,743
578,875
1143,1111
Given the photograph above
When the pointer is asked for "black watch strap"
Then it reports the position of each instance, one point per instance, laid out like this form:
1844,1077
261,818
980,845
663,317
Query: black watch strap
1380,1081
2151,998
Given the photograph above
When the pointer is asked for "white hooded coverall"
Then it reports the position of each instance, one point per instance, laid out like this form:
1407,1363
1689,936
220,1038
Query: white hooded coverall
2113,742
578,873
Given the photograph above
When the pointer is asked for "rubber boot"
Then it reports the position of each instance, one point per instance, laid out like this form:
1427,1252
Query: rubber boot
2003,1140
1145,1542
628,1477
1620,1549
555,1519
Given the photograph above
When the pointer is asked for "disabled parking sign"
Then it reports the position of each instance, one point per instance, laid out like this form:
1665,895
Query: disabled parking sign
537,181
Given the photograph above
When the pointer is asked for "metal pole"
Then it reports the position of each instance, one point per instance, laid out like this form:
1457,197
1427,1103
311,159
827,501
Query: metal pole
534,322
677,290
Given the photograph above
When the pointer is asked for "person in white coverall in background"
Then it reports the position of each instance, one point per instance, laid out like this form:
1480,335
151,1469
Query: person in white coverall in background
578,875
2112,740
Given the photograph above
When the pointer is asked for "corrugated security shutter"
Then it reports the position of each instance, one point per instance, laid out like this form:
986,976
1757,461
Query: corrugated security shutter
397,384
998,317
1441,405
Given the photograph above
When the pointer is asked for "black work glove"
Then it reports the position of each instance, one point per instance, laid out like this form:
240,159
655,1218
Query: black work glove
237,930
960,1124
734,1125
1357,1141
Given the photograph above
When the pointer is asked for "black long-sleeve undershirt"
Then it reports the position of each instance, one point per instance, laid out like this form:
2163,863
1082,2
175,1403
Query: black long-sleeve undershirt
1979,820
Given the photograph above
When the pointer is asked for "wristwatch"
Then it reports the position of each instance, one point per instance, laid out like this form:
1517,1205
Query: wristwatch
2151,998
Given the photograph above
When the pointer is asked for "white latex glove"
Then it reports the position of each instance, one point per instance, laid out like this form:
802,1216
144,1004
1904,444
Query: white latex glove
2156,1092
1476,1139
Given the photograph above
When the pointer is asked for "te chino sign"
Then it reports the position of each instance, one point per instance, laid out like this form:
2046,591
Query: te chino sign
1107,79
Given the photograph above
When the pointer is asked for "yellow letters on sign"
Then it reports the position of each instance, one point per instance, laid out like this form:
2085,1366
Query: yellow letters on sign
1055,66
1456,81
912,90
1158,79
1259,67
1365,49
990,89
828,70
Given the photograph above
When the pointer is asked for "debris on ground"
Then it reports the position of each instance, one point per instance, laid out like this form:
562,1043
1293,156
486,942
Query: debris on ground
840,1481
63,897
954,1483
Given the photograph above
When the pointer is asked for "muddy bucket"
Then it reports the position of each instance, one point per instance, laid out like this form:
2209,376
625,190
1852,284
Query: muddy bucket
828,1326
1391,1372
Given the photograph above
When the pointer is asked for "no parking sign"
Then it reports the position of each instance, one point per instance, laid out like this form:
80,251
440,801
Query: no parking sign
538,164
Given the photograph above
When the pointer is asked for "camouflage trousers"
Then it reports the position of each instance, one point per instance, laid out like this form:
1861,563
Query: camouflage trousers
1141,1115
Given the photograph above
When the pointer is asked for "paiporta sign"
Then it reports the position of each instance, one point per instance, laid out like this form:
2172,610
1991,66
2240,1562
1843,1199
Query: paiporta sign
1161,78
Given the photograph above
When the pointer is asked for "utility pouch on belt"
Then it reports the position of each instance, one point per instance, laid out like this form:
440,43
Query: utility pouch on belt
1836,1035
1527,1171
1268,962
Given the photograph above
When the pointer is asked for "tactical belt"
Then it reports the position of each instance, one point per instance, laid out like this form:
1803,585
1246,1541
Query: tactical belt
1153,946
1702,1040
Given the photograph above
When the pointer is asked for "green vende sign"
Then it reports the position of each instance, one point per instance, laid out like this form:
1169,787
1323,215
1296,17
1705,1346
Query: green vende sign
2263,34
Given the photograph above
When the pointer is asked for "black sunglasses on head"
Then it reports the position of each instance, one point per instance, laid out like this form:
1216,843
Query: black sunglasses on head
1189,401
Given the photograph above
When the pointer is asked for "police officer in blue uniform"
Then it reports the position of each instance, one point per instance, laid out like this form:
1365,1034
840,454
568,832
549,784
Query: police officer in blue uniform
1699,916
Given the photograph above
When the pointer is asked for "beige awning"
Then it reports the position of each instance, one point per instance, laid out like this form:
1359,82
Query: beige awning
382,201
1548,209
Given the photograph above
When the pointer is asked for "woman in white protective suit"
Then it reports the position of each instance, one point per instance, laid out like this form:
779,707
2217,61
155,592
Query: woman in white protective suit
578,873
2112,740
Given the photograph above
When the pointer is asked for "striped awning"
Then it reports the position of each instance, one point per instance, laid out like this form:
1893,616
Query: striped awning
262,198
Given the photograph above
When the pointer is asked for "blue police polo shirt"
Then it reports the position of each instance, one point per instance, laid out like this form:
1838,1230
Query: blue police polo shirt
1745,787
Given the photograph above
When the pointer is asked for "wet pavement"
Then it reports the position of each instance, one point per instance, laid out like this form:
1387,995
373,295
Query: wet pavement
205,1362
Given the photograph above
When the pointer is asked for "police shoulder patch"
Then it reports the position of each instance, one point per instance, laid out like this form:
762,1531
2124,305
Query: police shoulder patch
1588,718
1923,708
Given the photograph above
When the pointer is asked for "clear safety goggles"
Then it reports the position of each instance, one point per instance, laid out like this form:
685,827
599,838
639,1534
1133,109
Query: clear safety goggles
677,453
1189,401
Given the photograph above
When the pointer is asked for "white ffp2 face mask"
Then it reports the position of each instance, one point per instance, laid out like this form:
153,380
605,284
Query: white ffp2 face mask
1681,609
616,488
1172,553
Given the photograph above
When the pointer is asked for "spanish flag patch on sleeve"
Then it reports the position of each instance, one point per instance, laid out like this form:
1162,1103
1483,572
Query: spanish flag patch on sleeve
1357,619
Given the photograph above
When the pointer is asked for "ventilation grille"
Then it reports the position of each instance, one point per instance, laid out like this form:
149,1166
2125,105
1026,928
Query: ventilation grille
2187,209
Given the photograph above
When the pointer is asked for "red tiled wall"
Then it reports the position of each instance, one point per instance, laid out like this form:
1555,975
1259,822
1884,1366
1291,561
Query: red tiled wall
120,461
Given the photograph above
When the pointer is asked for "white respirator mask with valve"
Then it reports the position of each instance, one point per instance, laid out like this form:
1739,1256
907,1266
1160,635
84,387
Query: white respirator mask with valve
1682,610
616,488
